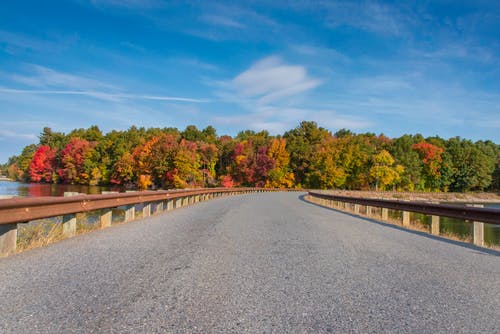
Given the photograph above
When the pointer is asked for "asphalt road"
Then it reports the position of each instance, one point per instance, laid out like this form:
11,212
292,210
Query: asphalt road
258,263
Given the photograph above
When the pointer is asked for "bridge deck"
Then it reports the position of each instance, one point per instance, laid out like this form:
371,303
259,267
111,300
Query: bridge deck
265,262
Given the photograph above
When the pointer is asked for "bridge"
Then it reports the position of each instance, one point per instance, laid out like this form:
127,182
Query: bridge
259,262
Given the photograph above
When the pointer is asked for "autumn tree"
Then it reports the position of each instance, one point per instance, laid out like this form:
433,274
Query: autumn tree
73,158
325,170
280,175
383,172
430,156
301,143
42,166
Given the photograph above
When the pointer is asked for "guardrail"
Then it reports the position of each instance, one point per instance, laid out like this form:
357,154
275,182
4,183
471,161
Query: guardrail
476,214
22,210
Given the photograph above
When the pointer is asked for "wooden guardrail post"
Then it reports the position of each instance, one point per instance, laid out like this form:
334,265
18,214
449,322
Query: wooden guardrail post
69,225
8,239
435,225
406,218
368,211
356,209
478,230
159,208
130,213
146,210
385,214
106,218
69,221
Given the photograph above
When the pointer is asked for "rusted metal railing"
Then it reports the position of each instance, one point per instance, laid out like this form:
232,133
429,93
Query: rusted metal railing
22,210
475,214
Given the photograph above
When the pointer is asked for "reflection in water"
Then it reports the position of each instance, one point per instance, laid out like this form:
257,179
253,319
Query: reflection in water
41,189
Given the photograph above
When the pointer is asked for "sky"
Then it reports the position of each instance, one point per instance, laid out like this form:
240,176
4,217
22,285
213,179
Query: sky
391,67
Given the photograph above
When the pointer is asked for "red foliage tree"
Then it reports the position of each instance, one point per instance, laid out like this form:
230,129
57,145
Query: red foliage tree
432,160
42,164
73,157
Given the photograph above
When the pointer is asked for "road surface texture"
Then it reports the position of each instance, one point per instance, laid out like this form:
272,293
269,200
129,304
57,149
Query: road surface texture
257,263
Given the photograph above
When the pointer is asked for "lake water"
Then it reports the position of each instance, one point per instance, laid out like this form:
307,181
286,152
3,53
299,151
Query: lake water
18,189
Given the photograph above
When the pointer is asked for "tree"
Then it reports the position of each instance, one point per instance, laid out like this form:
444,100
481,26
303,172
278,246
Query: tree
73,158
430,156
301,143
42,166
325,170
280,176
472,168
383,173
404,155
186,172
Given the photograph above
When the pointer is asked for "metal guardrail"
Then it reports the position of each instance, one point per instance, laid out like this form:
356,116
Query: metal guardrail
478,216
19,210
486,215
23,210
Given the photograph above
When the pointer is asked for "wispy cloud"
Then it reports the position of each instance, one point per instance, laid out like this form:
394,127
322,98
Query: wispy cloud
130,4
102,95
367,15
13,43
219,20
280,119
269,93
16,135
40,76
270,79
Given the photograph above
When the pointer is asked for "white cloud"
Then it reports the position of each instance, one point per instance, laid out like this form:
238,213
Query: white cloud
45,77
102,95
220,20
369,16
16,135
270,79
130,4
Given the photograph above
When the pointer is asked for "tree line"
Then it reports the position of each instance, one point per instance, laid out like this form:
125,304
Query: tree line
307,156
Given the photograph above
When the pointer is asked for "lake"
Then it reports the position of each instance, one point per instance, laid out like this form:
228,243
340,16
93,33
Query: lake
19,189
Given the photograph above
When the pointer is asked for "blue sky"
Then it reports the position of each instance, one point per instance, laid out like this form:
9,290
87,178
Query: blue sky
392,67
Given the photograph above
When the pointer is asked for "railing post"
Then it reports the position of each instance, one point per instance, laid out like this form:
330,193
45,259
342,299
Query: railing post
106,218
478,230
69,225
130,213
385,214
69,221
159,207
356,209
146,210
435,225
368,211
8,239
406,218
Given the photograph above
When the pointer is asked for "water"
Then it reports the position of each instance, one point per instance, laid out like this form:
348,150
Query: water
18,189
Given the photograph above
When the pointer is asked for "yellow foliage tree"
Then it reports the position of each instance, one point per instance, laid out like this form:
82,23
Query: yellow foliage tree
383,173
280,176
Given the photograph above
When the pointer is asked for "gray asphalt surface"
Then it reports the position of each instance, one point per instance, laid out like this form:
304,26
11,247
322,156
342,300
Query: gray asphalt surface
258,263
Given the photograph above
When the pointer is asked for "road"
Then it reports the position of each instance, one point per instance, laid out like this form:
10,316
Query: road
256,263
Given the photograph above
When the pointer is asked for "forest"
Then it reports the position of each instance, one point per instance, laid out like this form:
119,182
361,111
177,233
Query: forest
307,156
